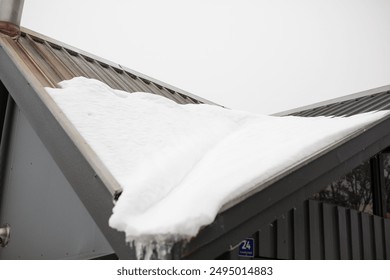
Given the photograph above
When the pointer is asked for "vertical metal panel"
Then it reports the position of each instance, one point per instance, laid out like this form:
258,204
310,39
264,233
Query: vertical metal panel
316,231
356,235
379,237
368,237
301,232
282,238
344,234
387,237
331,238
291,234
48,221
267,242
255,237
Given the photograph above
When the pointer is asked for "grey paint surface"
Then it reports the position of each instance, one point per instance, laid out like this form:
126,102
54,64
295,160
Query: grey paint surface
48,220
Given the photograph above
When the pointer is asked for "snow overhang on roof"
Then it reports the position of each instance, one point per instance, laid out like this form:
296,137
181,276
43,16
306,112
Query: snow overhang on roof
33,62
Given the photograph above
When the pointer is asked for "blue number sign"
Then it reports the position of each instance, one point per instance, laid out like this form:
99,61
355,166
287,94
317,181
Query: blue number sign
247,248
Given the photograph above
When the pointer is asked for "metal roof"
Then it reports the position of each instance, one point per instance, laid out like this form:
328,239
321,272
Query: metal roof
362,102
52,61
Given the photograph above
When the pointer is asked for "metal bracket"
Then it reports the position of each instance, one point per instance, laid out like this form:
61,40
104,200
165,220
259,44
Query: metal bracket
5,232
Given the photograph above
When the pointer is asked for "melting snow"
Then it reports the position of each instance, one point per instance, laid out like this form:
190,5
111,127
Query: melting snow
179,164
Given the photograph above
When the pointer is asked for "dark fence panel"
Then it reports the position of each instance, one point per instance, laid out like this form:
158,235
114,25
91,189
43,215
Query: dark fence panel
301,232
387,237
317,230
379,238
344,233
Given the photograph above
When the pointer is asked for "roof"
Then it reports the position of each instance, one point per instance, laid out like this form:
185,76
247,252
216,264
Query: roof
361,102
51,62
34,61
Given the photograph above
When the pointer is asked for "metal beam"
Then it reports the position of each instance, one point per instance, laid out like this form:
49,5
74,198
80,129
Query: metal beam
378,185
8,107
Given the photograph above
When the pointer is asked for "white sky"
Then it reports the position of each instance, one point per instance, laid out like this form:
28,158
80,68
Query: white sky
255,55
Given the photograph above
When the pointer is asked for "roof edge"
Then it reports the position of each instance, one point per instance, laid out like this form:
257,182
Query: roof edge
300,164
334,100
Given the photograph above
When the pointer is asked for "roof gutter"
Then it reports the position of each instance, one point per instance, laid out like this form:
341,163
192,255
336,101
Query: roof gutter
10,17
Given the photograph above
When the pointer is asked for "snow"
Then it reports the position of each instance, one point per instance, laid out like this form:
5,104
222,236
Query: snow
179,165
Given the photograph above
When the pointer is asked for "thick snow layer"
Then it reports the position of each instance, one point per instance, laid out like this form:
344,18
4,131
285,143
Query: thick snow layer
179,164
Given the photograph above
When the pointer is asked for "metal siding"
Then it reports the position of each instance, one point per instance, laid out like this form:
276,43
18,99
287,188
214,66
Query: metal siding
48,221
290,234
387,237
282,233
356,235
331,238
316,231
367,237
379,238
267,242
301,232
344,234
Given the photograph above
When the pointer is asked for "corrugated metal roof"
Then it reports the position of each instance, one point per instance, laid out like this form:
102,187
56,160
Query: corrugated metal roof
52,61
362,102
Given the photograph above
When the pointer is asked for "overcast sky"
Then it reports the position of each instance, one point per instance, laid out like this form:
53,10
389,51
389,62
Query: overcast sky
253,55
